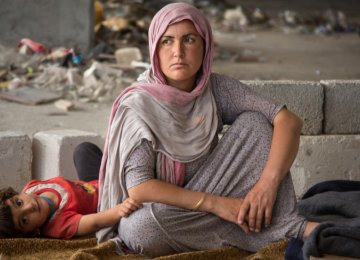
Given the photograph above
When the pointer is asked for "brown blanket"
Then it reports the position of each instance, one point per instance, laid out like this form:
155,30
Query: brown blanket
86,248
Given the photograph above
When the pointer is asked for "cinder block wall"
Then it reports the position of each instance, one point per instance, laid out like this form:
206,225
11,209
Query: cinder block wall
54,23
15,159
330,141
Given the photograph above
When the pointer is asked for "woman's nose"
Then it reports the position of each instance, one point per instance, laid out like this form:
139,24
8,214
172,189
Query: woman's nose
178,49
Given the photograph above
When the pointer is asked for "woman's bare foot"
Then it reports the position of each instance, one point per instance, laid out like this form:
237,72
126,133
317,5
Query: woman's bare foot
310,226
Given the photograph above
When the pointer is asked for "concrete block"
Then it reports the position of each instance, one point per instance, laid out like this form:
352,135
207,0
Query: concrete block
326,157
125,56
15,159
304,98
53,152
64,23
342,106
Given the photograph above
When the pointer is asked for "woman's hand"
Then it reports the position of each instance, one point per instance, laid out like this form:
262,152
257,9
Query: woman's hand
259,202
258,205
225,208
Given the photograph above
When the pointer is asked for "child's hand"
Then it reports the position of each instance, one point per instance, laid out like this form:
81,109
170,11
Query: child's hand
127,207
93,222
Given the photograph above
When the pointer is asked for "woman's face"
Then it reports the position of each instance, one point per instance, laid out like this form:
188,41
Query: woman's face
180,52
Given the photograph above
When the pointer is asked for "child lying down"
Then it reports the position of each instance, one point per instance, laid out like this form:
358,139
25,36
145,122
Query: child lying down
57,208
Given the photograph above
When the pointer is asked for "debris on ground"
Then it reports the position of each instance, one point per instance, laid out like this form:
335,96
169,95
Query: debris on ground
64,104
31,70
29,96
27,46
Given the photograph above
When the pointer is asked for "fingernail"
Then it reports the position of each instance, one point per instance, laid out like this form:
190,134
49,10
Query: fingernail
257,230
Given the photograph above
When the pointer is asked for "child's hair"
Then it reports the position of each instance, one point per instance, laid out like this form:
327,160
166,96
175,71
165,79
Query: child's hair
7,227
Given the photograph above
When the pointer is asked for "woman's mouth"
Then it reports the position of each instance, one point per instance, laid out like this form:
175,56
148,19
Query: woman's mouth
178,65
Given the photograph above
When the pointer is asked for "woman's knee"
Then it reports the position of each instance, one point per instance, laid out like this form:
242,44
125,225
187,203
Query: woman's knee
142,234
252,126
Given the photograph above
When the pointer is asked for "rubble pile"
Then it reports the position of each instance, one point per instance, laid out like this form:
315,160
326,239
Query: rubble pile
328,22
120,51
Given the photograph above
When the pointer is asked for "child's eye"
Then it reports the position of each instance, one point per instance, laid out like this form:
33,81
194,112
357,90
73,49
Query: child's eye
18,202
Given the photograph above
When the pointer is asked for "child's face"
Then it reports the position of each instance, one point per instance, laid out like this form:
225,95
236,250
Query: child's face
29,211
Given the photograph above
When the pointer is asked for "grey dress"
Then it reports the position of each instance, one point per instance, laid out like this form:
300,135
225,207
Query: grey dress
231,169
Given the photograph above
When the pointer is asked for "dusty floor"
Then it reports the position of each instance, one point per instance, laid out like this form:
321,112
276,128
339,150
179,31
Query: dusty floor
283,56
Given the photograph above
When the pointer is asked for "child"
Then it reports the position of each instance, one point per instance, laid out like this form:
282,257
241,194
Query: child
57,208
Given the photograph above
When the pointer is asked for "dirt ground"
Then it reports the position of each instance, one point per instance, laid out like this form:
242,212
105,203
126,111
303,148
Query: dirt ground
278,55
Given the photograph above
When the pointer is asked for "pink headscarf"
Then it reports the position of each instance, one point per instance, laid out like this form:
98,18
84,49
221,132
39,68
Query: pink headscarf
142,111
174,13
168,15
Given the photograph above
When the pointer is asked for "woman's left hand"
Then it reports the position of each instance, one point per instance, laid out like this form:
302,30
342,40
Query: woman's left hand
258,205
259,202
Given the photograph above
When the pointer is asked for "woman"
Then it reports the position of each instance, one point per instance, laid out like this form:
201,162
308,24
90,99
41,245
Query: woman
162,150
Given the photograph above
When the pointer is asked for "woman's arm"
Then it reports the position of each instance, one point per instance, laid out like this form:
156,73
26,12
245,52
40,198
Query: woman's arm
158,191
143,187
93,222
259,202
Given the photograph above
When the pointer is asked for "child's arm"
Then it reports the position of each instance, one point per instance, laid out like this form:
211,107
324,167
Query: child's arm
93,222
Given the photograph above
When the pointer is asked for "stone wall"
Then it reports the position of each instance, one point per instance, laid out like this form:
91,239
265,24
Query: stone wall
330,141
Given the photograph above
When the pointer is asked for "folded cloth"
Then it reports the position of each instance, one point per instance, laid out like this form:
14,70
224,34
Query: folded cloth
341,239
323,208
333,185
339,231
331,206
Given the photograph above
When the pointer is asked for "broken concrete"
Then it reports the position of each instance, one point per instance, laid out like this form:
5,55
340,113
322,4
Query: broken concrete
125,56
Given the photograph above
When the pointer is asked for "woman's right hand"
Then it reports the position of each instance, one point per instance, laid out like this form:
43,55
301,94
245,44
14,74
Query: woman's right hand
225,208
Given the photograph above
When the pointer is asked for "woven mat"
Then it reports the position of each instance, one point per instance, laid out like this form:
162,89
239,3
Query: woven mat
87,248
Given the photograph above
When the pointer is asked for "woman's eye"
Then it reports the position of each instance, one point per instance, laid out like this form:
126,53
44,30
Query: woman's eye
165,42
189,40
